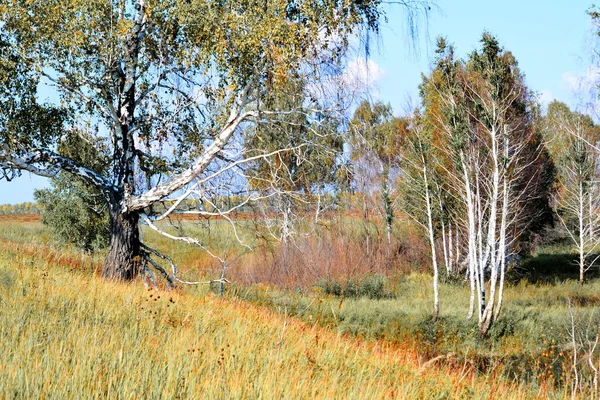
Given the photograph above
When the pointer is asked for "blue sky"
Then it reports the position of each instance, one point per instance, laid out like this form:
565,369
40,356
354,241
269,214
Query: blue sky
548,38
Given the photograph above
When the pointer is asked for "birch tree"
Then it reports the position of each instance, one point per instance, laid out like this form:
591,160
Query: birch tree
572,139
482,117
172,86
420,187
295,178
376,143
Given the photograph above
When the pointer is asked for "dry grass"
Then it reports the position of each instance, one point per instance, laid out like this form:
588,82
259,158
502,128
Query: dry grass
345,249
65,334
16,218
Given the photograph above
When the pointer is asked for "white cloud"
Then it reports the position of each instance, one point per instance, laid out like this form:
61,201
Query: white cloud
362,74
546,97
581,82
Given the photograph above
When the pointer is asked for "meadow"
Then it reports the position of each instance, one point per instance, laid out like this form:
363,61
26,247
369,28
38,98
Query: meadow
66,333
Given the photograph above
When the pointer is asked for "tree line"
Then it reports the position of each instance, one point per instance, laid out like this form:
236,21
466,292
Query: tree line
21,208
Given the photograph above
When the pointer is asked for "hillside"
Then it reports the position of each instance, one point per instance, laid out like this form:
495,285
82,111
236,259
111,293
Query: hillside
65,334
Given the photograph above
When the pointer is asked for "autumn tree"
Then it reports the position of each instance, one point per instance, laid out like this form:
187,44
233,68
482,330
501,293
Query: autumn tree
572,139
171,85
482,119
375,139
294,180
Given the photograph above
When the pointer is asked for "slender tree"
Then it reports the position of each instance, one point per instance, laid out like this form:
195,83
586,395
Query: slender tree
572,140
420,183
376,142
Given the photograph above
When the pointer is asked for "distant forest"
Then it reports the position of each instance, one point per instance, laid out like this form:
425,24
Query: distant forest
22,208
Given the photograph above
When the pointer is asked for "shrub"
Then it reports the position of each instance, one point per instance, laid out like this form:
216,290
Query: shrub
374,287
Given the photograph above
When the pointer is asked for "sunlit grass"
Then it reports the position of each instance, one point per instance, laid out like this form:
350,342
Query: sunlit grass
66,334
527,344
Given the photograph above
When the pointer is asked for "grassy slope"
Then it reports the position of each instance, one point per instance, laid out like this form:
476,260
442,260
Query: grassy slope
65,334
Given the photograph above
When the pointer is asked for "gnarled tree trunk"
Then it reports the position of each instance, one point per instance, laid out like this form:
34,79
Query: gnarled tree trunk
122,260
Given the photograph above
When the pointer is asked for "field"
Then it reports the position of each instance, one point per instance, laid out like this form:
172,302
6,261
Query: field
66,333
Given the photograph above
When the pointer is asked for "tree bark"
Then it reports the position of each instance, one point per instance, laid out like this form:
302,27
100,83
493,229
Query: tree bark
582,232
387,202
122,261
436,296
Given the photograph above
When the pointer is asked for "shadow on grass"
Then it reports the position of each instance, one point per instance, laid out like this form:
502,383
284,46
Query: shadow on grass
551,268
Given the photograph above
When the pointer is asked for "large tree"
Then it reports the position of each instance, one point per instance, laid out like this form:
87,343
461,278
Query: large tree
170,84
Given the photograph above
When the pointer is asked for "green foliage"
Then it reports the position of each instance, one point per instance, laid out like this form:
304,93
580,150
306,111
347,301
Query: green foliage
21,208
374,129
76,211
93,50
72,216
24,123
371,287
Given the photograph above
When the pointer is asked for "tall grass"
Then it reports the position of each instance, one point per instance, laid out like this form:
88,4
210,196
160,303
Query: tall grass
67,334
359,285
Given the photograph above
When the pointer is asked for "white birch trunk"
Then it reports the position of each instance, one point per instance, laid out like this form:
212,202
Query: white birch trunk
450,265
502,247
480,273
471,221
457,244
436,303
581,245
491,255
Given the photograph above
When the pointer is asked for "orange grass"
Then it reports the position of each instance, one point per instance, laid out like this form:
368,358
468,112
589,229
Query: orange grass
64,335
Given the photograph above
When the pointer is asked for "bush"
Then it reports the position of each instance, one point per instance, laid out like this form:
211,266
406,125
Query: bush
374,286
72,220
74,210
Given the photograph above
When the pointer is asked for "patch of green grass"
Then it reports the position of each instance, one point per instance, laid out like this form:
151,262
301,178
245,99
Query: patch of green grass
526,343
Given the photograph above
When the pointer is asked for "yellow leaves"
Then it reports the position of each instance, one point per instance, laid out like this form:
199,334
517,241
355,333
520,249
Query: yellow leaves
123,27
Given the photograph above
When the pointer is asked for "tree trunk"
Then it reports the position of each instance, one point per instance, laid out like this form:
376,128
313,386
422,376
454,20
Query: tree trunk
581,235
450,266
506,189
387,203
122,260
436,296
472,258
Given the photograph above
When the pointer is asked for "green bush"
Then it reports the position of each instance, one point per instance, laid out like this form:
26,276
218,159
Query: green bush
75,211
72,220
372,287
